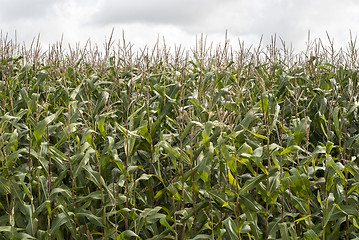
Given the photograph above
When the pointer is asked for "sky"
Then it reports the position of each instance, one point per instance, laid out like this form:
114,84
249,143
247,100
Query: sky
180,22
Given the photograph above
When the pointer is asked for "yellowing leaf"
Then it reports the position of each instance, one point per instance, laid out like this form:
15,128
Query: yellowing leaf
232,180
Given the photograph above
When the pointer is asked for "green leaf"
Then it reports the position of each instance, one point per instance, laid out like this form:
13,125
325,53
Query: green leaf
22,235
201,237
144,131
6,228
54,193
252,221
84,160
318,150
264,103
172,189
164,222
101,102
10,161
188,128
301,219
127,235
284,231
274,183
4,186
255,134
249,118
299,184
328,214
354,170
83,213
300,129
352,108
275,118
292,148
101,122
250,203
311,235
93,176
170,149
205,164
355,223
352,189
329,147
229,158
231,228
75,92
336,122
252,183
13,142
338,167
257,157
44,205
41,126
348,210
59,220
233,181
207,132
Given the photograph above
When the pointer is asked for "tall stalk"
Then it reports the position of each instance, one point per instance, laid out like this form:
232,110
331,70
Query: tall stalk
149,126
127,160
281,160
307,131
266,123
73,184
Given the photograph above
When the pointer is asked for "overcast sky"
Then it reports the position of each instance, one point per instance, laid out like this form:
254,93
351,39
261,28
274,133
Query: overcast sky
180,21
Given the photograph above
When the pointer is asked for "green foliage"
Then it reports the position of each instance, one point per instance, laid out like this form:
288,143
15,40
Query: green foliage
218,146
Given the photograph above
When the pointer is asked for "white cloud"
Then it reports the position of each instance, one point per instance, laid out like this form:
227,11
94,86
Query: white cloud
17,10
177,12
179,21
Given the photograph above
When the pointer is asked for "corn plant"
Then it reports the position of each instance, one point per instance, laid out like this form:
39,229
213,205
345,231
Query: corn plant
207,143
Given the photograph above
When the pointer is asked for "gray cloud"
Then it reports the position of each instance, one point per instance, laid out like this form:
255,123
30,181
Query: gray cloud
14,10
176,12
179,21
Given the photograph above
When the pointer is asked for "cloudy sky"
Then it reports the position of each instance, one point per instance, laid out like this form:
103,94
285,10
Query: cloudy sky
180,21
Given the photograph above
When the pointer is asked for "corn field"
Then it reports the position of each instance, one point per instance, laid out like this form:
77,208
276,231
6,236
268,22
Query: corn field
162,143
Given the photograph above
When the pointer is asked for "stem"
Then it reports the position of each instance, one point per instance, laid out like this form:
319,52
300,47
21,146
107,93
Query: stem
150,132
193,196
126,166
266,121
69,159
281,162
307,146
